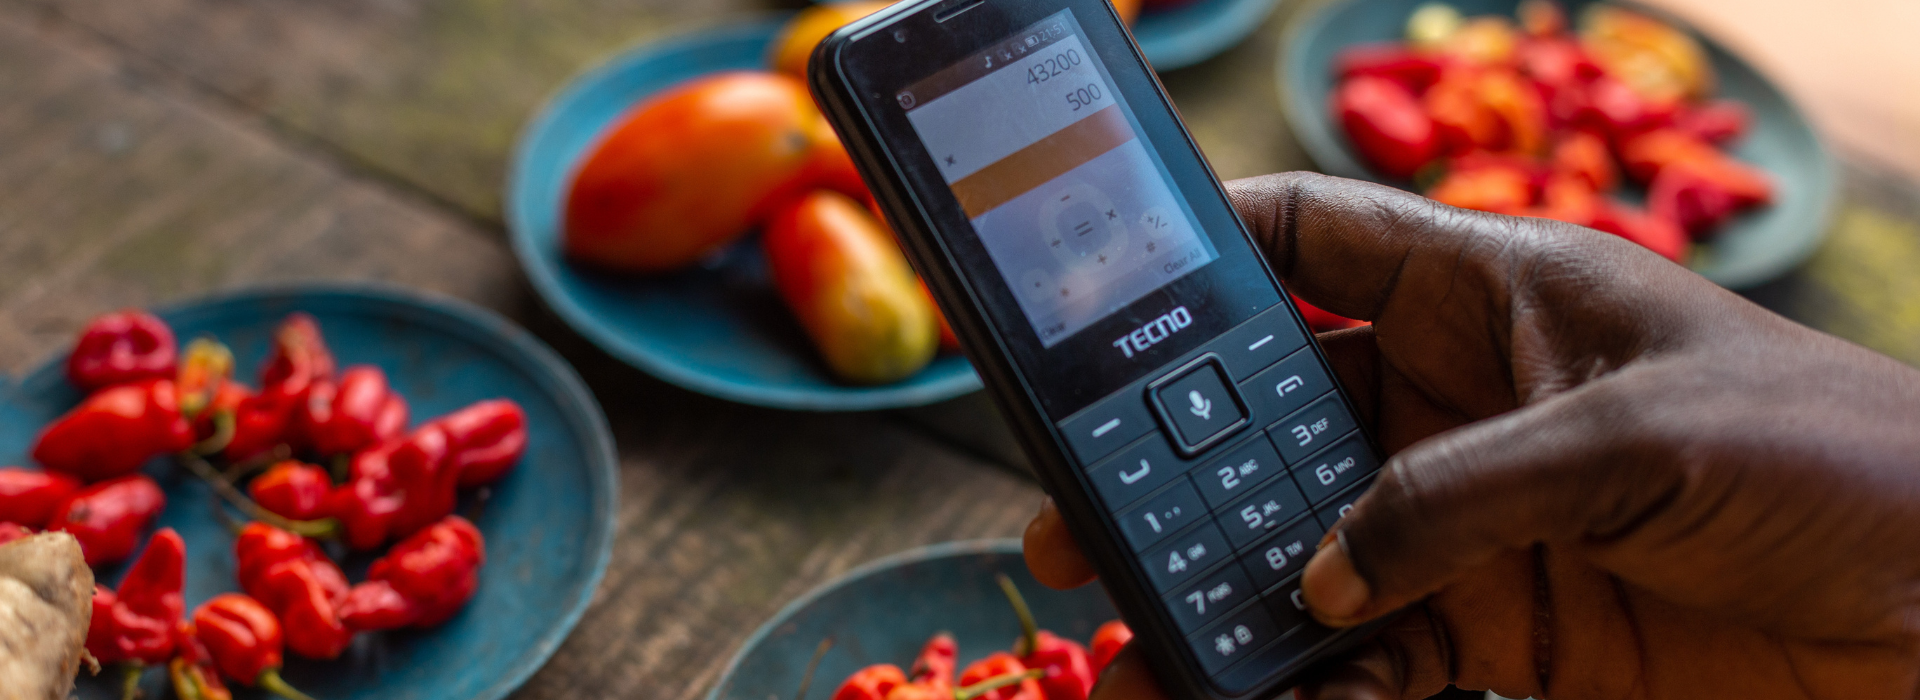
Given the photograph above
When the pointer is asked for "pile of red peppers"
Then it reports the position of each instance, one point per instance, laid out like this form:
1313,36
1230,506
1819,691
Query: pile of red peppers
1529,118
1040,666
146,399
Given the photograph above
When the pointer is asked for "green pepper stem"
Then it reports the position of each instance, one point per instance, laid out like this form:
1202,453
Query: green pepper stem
806,679
1030,631
322,528
270,679
995,683
221,437
130,679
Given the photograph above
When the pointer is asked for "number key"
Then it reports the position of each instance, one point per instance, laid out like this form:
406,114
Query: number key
1311,428
1332,471
1240,471
1234,638
1209,597
1162,515
1185,556
1284,554
1263,511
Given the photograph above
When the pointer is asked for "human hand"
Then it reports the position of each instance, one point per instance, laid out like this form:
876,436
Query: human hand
1610,478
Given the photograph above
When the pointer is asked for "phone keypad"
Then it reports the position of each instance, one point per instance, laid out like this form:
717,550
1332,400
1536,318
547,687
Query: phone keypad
1224,533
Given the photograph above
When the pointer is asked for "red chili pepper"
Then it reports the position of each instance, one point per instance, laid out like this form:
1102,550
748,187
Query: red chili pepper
244,639
487,439
120,347
1386,124
368,502
293,489
299,360
299,357
1623,111
292,577
108,518
13,531
1393,61
422,582
934,668
1494,188
1715,122
357,412
29,497
141,620
427,477
871,683
1065,672
1700,195
1001,665
115,431
1108,640
1585,155
1651,232
1321,320
261,421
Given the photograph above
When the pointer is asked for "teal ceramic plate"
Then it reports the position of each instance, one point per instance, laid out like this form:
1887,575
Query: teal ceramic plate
882,612
548,524
720,329
1755,247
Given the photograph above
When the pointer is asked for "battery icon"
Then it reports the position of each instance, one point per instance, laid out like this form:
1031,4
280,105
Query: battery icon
1033,41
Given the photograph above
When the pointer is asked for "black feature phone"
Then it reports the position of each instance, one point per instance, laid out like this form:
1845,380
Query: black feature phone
1170,397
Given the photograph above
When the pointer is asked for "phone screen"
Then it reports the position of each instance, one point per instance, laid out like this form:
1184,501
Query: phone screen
1078,214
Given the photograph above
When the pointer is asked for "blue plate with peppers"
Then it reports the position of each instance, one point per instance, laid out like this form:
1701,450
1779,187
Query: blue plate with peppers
885,611
547,523
1754,246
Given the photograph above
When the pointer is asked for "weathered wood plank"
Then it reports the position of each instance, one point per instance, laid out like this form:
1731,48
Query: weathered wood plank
429,91
116,190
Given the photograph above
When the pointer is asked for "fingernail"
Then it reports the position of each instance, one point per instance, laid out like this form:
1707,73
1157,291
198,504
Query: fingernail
1334,591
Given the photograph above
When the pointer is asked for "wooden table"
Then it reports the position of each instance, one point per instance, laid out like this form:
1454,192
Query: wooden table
161,149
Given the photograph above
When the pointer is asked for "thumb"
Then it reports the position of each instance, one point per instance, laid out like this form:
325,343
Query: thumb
1564,467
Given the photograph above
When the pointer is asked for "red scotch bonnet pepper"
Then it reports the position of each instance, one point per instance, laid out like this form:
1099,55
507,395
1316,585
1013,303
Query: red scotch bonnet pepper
115,431
121,347
423,581
292,489
1065,671
298,361
293,578
108,518
140,621
245,641
357,412
30,498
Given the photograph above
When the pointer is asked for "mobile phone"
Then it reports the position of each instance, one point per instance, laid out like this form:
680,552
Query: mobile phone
1165,388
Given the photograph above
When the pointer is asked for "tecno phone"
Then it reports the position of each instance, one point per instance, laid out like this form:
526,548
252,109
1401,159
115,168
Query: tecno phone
1165,388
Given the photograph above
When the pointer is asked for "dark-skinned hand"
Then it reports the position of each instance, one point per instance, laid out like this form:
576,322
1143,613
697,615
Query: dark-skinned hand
1609,477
